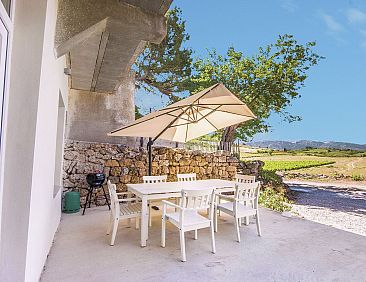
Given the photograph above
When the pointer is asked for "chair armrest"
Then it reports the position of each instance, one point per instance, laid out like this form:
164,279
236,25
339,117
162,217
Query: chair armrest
123,193
127,200
171,204
229,198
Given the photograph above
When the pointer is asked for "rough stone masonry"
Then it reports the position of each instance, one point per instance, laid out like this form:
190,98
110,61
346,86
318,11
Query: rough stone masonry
122,164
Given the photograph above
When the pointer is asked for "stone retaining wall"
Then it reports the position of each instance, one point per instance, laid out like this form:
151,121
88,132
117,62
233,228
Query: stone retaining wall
124,165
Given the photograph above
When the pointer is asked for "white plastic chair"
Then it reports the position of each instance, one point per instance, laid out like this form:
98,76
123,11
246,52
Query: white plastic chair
186,177
240,178
125,208
153,179
187,217
244,203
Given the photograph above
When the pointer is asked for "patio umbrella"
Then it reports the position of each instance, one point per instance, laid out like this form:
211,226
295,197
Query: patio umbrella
207,111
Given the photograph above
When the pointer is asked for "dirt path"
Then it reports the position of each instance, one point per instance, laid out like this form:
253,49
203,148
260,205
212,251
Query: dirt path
341,206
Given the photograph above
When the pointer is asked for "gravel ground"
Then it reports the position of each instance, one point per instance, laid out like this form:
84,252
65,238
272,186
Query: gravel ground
337,206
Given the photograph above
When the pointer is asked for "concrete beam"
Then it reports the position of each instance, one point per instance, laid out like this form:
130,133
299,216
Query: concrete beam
75,17
71,43
100,57
99,62
158,7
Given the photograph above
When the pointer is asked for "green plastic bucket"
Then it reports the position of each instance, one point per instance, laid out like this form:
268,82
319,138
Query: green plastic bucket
72,202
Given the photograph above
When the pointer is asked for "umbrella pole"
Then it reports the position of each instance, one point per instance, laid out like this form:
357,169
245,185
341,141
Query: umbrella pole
149,149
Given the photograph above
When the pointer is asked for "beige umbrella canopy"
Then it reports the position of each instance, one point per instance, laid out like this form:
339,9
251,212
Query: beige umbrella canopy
205,112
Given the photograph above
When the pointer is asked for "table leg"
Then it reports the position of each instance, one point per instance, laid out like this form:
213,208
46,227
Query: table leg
144,222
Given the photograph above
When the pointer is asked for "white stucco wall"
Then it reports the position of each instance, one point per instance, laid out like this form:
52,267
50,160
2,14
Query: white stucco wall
45,209
8,25
30,212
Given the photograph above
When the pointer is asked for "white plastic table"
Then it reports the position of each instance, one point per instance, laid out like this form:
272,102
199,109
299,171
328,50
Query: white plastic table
155,191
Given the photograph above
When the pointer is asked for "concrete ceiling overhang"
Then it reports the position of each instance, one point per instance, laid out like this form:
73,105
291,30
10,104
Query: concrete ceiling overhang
103,38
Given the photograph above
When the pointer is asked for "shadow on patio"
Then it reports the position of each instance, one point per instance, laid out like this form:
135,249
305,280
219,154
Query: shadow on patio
290,249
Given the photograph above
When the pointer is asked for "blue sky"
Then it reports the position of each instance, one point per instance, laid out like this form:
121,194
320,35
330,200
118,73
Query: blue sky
333,102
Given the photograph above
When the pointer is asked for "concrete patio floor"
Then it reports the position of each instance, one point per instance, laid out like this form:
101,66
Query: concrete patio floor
290,249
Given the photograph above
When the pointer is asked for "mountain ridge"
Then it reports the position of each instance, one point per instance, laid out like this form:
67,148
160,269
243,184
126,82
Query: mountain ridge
302,144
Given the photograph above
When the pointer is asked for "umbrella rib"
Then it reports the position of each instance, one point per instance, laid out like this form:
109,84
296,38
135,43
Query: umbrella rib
203,94
128,126
224,104
171,123
193,118
205,117
186,134
197,120
193,103
180,117
229,112
176,125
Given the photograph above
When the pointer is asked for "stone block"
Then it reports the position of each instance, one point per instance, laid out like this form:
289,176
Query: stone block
125,179
70,155
222,159
124,170
115,171
111,163
140,164
231,168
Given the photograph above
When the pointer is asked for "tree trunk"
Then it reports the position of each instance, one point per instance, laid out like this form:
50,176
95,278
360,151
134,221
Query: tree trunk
229,134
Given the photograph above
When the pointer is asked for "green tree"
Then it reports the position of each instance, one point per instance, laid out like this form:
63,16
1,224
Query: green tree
266,82
165,68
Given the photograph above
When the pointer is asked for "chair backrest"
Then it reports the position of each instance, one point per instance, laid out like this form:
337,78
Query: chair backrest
186,177
154,179
114,198
247,192
240,178
109,184
110,187
197,199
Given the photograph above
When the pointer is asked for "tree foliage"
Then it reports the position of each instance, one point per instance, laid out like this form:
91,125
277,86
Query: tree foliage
267,82
165,68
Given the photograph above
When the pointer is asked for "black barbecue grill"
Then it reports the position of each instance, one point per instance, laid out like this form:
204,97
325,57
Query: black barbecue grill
95,180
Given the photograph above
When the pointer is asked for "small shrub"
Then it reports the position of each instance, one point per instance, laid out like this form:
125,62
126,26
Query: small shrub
270,177
274,200
357,177
273,196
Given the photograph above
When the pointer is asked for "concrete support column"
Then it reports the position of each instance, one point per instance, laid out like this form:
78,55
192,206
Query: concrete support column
92,115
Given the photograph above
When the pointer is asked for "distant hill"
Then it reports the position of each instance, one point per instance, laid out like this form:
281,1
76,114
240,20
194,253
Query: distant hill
281,145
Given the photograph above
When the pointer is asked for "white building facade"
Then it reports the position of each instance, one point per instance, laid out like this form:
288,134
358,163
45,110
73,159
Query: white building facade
34,92
33,107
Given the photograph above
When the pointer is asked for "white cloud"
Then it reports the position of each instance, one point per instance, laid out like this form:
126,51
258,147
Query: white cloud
332,25
289,5
355,16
